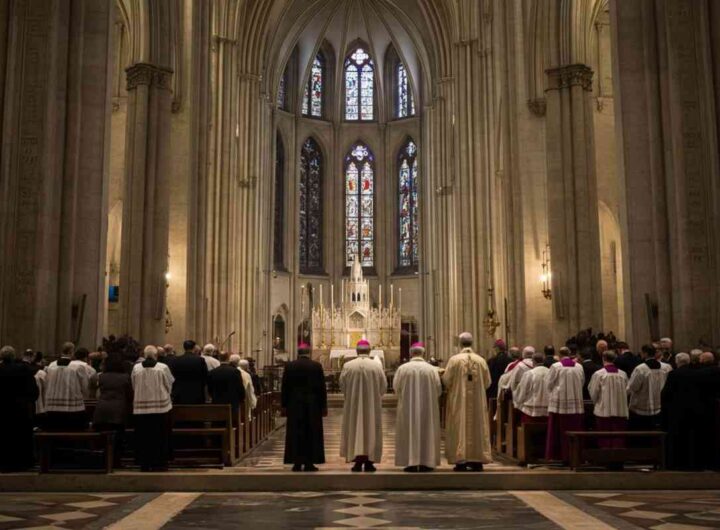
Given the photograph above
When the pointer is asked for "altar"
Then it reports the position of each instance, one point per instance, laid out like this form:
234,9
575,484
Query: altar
337,329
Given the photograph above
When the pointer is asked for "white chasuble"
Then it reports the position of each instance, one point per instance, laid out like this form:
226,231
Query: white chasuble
417,431
467,436
363,383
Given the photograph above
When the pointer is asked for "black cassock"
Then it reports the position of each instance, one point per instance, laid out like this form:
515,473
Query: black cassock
18,392
304,397
688,412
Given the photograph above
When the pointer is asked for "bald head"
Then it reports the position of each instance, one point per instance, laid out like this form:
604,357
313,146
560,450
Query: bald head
528,352
707,358
465,339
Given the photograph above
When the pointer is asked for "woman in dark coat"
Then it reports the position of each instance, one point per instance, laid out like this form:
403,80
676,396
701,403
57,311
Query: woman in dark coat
115,400
304,402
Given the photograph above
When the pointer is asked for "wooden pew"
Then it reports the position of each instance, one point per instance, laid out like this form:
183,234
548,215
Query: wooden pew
531,439
584,449
513,421
500,421
214,421
97,441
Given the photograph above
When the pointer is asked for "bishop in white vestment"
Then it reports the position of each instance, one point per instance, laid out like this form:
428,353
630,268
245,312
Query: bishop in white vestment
564,383
417,431
467,379
363,384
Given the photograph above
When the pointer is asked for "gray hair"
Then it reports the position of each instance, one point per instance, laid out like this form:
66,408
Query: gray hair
244,364
7,353
609,356
150,352
68,349
209,349
681,359
528,352
695,356
235,360
466,339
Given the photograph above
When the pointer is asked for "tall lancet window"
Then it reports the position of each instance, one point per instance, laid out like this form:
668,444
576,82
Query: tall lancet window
313,97
408,206
360,206
311,213
279,225
282,91
359,86
404,101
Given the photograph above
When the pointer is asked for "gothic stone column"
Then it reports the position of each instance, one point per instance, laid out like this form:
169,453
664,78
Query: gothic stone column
572,201
144,255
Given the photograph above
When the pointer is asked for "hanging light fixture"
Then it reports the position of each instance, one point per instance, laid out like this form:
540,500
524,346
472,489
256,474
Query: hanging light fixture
546,276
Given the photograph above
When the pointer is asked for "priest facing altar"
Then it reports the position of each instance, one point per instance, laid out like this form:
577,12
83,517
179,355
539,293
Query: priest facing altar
337,329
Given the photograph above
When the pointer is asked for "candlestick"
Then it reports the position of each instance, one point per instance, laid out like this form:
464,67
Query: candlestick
392,295
302,301
380,304
321,297
400,300
332,297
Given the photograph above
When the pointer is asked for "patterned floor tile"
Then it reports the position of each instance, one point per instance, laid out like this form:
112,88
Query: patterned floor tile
68,516
362,522
620,504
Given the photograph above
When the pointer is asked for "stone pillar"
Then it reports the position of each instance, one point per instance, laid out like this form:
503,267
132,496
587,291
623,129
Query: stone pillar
144,257
55,65
668,167
572,201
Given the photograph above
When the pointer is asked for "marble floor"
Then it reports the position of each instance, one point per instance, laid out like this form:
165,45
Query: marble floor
269,455
667,510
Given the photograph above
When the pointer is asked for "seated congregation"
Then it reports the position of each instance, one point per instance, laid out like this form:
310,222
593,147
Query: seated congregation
593,402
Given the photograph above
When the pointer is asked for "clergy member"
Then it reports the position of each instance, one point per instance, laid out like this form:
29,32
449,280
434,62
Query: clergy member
524,366
645,390
467,379
417,431
363,384
531,396
564,383
607,389
304,403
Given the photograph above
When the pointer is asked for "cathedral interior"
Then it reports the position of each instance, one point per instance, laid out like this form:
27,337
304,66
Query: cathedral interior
258,174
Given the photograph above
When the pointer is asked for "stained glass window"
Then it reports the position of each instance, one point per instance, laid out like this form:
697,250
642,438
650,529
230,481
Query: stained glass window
279,225
313,97
405,103
408,206
282,91
359,86
359,206
311,213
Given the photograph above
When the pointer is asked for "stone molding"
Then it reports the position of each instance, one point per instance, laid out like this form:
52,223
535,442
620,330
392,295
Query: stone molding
148,74
568,76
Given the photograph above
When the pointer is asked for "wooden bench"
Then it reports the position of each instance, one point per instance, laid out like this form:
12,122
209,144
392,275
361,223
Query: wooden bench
531,439
513,421
214,422
46,441
583,448
501,415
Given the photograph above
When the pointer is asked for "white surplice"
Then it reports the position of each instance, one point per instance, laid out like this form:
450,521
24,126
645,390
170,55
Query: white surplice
565,386
531,396
417,430
516,376
363,383
467,379
645,387
608,392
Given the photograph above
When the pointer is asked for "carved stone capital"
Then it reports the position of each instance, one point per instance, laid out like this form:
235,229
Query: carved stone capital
537,106
148,74
570,75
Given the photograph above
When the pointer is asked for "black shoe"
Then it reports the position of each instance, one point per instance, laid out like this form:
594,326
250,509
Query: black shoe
369,467
411,469
425,469
460,467
476,467
357,468
297,467
311,467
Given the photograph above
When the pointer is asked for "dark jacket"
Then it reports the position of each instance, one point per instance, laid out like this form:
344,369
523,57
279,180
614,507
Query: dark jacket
589,368
225,386
115,399
497,366
190,373
627,362
18,393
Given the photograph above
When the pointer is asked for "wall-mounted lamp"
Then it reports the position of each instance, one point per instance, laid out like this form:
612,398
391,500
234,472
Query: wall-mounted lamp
546,276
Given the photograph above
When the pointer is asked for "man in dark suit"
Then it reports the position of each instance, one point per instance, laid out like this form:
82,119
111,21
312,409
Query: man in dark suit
626,360
18,392
304,402
589,368
550,359
190,373
225,385
497,366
